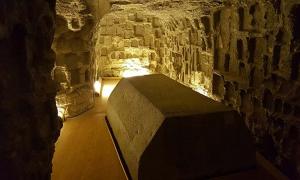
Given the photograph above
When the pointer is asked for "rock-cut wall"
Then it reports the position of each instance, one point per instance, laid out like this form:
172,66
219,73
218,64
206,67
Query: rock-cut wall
243,53
73,66
256,70
29,125
167,38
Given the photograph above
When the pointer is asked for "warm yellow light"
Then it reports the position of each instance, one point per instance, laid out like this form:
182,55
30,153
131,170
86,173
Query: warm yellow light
132,73
107,90
139,52
97,87
135,67
202,91
60,112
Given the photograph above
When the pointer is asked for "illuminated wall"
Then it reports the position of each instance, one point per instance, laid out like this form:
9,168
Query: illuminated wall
73,66
243,53
256,55
140,39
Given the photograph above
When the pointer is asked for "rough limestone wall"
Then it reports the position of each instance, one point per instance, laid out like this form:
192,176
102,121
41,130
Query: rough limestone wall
256,70
99,8
186,52
158,39
29,125
73,70
121,39
243,53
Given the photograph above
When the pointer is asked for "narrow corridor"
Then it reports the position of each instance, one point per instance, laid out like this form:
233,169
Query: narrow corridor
84,150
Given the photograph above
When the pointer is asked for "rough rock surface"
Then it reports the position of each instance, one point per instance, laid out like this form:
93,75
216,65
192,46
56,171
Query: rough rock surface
99,8
256,70
73,70
244,53
29,125
166,37
167,131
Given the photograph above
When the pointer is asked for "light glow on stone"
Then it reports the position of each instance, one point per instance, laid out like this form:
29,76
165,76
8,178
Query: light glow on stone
135,67
202,91
97,86
60,111
107,90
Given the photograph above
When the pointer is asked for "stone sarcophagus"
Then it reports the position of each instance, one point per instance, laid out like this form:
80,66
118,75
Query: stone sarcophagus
167,131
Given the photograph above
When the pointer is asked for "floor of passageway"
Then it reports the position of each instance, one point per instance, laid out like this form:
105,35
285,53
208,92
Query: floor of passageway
85,150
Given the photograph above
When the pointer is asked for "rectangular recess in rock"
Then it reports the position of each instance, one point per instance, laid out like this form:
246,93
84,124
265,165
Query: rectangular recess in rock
279,36
295,66
251,48
217,19
227,62
240,49
242,70
216,58
276,56
252,77
206,23
241,18
265,65
168,131
295,16
218,85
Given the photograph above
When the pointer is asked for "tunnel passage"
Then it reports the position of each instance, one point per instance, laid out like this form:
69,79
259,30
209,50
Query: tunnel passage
194,42
242,54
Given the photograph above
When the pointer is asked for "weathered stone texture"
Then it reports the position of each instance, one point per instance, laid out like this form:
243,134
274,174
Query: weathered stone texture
73,70
164,40
255,71
244,53
99,8
29,125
